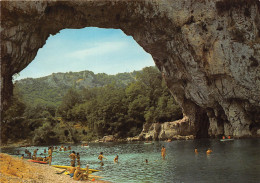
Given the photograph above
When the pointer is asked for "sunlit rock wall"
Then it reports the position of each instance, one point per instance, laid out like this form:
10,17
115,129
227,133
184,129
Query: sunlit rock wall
207,51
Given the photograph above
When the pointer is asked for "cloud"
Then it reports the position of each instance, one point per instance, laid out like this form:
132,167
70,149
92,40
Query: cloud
98,49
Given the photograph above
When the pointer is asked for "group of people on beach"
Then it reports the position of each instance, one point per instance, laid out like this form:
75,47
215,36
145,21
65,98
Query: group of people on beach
47,159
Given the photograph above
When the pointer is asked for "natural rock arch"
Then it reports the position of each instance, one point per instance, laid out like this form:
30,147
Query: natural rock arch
207,51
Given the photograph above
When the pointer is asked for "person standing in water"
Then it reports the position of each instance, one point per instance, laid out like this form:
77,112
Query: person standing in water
35,152
100,157
73,158
78,159
50,155
163,152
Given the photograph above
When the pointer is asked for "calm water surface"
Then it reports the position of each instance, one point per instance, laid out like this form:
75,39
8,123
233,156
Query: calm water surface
236,161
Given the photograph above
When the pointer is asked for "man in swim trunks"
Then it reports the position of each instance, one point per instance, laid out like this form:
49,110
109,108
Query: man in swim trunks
73,158
71,171
100,157
77,174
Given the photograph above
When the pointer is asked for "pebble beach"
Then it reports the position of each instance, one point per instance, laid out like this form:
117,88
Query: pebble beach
14,169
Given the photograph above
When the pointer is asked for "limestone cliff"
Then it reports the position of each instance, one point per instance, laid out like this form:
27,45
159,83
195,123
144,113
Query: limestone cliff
180,129
207,50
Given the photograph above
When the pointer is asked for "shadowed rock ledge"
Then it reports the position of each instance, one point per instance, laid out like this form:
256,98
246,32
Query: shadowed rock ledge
208,51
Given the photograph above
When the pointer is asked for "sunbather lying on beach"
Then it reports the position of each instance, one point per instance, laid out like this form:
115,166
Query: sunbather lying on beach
77,174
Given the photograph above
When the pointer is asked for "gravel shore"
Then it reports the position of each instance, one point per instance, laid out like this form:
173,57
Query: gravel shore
13,169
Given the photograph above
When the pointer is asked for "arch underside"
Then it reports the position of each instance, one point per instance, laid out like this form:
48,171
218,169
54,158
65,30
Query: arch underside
209,60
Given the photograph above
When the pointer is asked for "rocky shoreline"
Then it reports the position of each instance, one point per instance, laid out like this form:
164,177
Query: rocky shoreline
167,131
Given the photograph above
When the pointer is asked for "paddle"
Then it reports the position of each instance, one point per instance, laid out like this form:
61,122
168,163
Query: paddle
61,172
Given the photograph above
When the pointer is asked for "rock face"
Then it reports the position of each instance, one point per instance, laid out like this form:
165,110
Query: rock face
180,129
207,51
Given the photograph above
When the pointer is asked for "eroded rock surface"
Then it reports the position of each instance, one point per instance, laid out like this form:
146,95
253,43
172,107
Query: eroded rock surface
208,51
180,130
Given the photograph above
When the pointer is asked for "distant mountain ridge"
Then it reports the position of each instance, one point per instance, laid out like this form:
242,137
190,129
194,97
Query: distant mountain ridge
50,89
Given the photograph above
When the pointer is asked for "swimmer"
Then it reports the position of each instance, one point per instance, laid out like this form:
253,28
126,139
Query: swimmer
116,159
146,160
209,151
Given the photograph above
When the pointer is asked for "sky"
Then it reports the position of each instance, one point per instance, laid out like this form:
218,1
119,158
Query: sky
99,50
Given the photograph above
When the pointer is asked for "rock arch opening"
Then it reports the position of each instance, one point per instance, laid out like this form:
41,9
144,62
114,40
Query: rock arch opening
95,49
206,65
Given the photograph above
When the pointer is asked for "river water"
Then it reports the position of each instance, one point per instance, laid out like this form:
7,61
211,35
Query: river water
234,161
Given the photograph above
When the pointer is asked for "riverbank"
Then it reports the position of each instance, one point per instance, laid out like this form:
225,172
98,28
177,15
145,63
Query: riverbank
17,170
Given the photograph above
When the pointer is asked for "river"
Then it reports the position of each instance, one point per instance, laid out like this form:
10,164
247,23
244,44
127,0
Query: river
234,161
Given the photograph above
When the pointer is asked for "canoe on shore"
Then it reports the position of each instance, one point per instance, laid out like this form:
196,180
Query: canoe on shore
224,140
35,161
65,167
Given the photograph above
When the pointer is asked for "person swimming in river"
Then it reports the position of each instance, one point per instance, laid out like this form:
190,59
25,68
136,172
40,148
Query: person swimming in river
209,151
163,152
65,148
196,150
101,157
116,159
73,158
146,160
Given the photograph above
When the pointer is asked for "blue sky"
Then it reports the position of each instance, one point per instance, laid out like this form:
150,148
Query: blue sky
98,50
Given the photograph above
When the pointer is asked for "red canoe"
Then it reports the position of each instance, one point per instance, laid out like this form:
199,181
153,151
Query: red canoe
35,161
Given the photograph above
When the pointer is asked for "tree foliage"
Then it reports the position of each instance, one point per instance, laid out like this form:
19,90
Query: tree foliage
118,105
